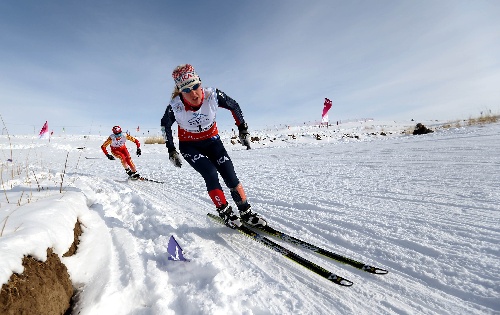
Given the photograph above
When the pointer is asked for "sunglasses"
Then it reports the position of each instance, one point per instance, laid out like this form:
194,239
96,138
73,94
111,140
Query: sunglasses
194,88
118,135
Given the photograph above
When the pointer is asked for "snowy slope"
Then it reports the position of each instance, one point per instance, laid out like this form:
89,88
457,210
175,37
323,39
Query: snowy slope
424,207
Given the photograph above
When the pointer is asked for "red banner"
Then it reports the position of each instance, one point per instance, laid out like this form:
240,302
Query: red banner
326,108
44,130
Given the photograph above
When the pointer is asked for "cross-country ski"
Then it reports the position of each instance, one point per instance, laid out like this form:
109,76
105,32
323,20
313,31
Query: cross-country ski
288,254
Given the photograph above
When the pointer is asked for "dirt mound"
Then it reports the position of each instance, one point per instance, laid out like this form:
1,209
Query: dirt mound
76,240
43,287
421,130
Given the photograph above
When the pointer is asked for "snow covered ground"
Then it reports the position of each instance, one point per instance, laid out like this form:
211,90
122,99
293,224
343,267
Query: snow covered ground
427,208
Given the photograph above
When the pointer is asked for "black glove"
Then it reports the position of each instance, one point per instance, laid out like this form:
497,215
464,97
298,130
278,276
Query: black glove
174,157
138,152
109,156
244,135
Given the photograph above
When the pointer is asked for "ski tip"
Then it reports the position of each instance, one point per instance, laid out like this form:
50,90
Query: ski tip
340,281
379,271
375,270
343,282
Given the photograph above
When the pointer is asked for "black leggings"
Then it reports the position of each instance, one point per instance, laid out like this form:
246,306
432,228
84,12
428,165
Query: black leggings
208,157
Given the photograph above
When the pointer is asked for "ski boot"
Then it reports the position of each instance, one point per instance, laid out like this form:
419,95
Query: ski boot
230,218
249,217
132,175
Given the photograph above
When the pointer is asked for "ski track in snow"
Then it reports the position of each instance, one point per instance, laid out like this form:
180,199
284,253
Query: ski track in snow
425,208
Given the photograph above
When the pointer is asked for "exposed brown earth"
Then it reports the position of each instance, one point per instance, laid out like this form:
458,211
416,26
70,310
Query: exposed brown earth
42,288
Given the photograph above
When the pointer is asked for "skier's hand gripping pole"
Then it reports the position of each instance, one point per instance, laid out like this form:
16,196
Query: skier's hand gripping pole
244,135
174,158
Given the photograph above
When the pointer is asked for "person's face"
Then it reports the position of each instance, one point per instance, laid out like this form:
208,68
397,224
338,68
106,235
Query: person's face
194,96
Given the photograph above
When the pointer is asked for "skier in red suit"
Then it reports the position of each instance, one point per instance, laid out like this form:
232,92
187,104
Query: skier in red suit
119,150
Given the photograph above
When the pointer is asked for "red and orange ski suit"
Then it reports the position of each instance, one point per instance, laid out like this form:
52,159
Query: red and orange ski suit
119,149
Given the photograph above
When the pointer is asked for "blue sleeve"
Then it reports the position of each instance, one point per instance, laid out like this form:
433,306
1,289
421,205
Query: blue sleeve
167,121
226,102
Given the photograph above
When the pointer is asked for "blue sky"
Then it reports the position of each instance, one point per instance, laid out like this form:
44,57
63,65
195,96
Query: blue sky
88,65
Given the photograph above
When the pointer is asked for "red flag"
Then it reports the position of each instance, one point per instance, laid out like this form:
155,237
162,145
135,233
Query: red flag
326,108
44,130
